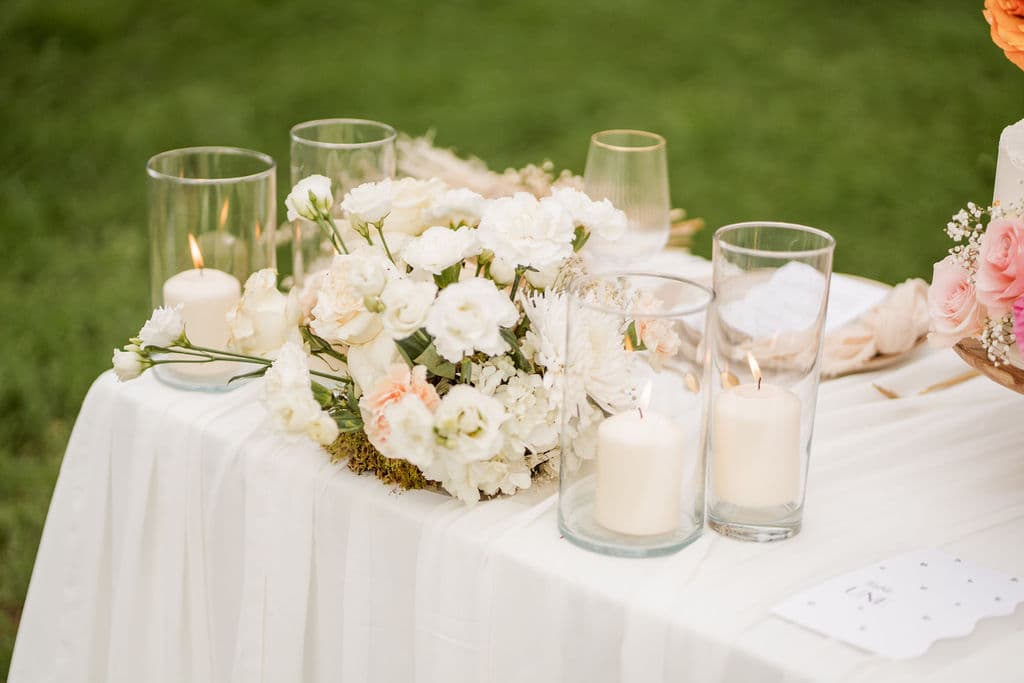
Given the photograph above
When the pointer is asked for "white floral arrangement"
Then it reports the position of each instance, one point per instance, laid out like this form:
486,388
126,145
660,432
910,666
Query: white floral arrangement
432,350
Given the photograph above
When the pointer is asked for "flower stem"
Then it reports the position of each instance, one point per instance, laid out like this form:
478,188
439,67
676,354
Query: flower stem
329,229
380,231
515,282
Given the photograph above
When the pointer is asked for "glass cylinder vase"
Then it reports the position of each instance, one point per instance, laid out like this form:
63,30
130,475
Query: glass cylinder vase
633,430
771,281
212,212
348,151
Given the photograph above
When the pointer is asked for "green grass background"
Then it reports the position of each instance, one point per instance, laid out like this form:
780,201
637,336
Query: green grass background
874,120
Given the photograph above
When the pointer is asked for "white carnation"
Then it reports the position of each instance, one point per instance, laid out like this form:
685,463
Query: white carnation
164,328
599,218
289,398
310,198
411,435
411,203
340,314
369,202
128,363
532,411
468,316
460,206
406,305
264,318
440,247
524,232
468,425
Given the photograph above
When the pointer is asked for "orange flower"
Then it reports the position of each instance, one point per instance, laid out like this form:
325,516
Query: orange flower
1006,17
395,384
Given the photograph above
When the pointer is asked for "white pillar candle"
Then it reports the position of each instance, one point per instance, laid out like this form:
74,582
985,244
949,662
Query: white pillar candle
755,447
1009,186
206,295
639,473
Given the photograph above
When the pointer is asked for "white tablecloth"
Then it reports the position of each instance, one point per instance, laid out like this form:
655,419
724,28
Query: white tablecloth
187,541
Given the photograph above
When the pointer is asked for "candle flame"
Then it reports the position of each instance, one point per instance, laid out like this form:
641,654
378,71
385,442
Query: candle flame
755,369
197,256
223,218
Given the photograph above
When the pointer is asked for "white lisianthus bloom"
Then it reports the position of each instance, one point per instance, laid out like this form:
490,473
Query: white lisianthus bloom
369,202
164,328
440,247
460,206
311,198
128,363
340,315
367,363
524,232
264,318
289,398
368,273
468,425
411,203
601,218
468,316
412,435
406,305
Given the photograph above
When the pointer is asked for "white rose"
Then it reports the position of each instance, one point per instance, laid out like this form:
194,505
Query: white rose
406,305
599,218
128,364
310,198
468,425
411,203
340,316
264,318
367,363
164,328
459,206
440,247
411,435
468,316
368,274
524,232
369,202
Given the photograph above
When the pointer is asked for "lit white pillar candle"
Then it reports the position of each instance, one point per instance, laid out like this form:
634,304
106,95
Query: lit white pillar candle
755,446
1009,186
640,458
205,295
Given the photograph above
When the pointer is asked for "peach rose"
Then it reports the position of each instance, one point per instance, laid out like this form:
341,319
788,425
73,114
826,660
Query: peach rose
396,383
952,304
1006,17
1000,278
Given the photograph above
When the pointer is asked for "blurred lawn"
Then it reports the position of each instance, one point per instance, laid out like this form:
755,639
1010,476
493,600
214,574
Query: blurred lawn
874,120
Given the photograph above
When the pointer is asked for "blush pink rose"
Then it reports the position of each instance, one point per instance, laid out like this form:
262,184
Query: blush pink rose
1000,278
1018,323
952,304
398,381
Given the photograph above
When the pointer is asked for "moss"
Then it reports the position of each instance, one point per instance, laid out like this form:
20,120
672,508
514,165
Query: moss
363,457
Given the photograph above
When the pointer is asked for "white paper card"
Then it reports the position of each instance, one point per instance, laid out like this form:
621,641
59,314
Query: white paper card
899,607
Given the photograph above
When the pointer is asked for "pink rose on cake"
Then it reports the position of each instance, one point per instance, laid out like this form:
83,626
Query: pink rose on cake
952,303
1000,278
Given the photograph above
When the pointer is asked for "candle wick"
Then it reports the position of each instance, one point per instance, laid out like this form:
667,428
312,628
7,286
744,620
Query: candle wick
759,384
641,411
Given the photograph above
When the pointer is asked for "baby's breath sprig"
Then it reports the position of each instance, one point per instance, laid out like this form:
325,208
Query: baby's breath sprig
998,339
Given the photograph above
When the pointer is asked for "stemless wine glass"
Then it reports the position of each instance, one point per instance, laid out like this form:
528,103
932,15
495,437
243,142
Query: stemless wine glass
771,282
212,212
630,168
634,399
348,151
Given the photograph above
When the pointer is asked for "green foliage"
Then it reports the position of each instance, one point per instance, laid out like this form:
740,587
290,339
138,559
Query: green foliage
872,120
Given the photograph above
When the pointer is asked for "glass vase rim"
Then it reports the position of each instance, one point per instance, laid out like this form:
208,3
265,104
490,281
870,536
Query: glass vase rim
269,171
659,140
675,312
828,247
389,133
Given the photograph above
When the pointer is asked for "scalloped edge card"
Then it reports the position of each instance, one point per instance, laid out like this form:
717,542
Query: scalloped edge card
897,608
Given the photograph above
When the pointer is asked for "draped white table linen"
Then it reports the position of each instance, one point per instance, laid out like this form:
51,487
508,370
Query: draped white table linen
187,541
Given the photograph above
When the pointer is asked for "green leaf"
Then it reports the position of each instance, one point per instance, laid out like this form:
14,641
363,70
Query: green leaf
466,371
415,344
323,395
580,240
347,420
319,345
521,362
448,276
249,375
633,341
435,363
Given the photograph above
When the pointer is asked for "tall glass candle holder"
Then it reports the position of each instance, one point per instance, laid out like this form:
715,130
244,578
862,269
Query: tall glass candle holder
633,429
348,151
630,168
212,212
771,281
